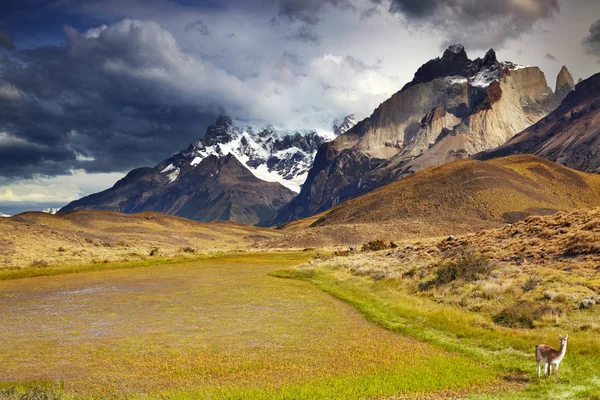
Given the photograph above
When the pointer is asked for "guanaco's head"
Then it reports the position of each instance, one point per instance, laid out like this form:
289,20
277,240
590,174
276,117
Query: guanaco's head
563,339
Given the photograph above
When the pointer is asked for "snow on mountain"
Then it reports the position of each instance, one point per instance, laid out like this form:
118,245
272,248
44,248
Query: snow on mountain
271,154
4,215
51,210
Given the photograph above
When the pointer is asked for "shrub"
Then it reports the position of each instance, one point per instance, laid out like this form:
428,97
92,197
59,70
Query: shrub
374,245
520,315
154,251
39,264
188,250
467,265
524,314
61,249
531,283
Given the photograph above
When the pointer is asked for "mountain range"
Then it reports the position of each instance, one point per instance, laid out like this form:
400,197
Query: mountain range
235,172
453,109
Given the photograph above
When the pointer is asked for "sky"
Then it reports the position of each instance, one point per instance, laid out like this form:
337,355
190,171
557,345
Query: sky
91,89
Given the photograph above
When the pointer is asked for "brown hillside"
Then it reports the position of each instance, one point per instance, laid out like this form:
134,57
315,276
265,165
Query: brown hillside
502,190
459,197
84,236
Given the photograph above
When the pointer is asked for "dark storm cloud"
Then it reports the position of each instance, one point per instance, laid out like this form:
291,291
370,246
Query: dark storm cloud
6,41
306,34
82,106
197,26
308,11
592,41
476,23
550,57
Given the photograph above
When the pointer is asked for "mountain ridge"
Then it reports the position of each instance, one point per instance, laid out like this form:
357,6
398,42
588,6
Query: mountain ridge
436,118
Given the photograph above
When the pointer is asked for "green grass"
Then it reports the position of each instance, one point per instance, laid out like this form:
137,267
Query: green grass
216,326
389,304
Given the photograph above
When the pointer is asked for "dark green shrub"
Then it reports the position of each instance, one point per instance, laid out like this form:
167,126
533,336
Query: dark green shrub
467,265
524,314
519,315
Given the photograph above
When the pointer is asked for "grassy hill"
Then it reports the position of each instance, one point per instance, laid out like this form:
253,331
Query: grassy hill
40,239
462,196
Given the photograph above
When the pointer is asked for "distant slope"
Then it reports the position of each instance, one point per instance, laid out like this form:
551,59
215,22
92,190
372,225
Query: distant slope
462,196
570,135
84,236
217,188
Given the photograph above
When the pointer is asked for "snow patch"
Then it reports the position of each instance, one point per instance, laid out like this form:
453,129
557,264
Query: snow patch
454,80
169,168
485,77
173,175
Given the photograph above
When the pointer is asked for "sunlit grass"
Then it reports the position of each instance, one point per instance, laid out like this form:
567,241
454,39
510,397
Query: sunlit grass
217,326
389,304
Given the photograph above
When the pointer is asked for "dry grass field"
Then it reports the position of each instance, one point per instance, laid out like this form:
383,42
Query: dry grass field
216,327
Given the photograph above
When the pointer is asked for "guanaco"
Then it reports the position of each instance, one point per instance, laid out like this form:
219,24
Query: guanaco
549,356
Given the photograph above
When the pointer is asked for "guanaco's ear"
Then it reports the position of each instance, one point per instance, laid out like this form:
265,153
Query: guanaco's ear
560,336
566,337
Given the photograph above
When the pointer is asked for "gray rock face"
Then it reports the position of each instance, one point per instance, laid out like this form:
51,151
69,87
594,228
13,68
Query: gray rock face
453,108
564,84
570,135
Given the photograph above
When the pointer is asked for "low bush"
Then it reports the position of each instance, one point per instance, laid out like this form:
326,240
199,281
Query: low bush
467,265
531,283
154,251
39,264
188,250
374,245
524,314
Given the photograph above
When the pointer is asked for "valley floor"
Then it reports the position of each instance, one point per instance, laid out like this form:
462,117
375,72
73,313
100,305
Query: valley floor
214,327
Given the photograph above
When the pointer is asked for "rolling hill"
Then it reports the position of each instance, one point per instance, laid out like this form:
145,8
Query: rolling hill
462,196
83,236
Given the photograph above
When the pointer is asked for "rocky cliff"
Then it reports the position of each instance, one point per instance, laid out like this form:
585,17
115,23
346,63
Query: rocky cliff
570,135
453,108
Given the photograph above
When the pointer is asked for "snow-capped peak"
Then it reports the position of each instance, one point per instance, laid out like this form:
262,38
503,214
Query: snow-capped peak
4,215
51,210
271,154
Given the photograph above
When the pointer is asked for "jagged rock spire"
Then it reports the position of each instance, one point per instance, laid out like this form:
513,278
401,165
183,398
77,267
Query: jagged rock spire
564,83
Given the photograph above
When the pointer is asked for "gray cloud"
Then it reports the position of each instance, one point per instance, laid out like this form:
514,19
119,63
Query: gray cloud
306,34
308,11
197,26
126,95
550,57
50,126
475,23
592,41
6,41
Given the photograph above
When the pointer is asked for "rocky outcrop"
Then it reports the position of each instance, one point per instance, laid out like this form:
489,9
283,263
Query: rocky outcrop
570,135
564,84
453,108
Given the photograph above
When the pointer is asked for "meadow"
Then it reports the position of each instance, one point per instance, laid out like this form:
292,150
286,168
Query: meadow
215,326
